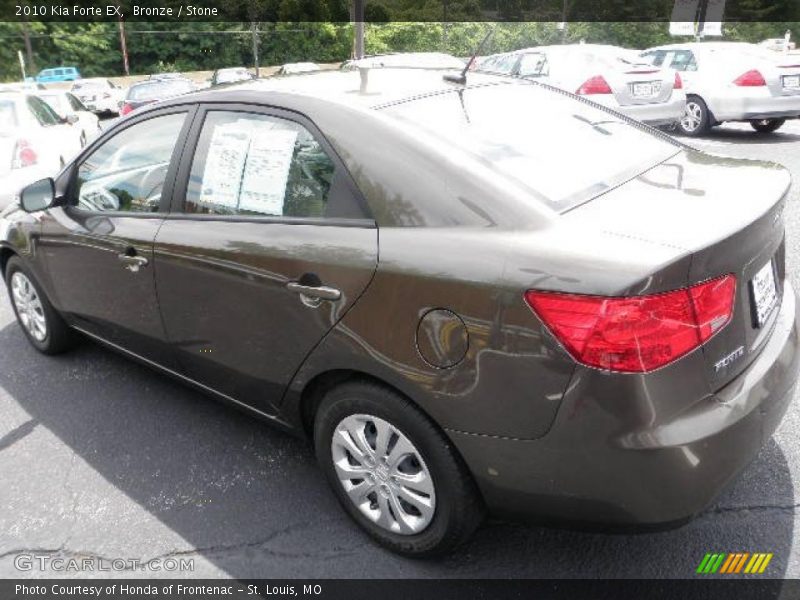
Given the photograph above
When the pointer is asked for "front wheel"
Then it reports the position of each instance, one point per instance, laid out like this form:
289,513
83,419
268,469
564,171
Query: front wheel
767,125
394,472
696,119
41,323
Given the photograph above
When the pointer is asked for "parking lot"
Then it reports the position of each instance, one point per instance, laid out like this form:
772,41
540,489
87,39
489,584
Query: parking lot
104,458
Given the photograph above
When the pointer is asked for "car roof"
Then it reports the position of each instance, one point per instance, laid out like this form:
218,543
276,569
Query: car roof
384,86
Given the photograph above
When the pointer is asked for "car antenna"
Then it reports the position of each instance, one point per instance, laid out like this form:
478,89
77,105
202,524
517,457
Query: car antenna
462,77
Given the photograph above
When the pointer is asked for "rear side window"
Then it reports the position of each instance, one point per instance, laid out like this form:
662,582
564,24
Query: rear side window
533,64
258,165
42,111
576,153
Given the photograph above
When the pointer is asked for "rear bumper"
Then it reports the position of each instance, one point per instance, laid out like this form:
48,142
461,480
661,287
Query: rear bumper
664,113
12,182
590,468
745,104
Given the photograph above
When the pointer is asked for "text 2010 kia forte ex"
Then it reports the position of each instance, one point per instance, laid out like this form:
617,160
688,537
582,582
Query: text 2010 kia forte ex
465,307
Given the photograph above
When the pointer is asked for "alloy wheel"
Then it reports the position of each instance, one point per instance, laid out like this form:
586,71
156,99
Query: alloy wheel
692,117
29,306
383,474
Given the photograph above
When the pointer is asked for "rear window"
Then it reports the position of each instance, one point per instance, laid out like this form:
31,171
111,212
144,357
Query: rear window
564,159
161,89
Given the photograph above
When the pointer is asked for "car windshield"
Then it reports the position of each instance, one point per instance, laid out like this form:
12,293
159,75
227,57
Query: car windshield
158,90
8,115
578,152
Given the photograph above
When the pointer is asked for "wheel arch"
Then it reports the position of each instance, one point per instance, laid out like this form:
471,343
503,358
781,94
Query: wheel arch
5,254
712,120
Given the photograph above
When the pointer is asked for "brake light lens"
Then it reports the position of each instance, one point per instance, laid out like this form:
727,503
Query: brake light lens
636,334
594,85
126,108
24,155
752,78
678,85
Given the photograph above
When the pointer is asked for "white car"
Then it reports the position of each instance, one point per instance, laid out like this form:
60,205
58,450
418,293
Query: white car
66,104
406,60
296,68
99,95
34,142
733,81
611,76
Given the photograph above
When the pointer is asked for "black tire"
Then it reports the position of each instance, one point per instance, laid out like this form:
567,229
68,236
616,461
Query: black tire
697,119
59,337
458,506
767,125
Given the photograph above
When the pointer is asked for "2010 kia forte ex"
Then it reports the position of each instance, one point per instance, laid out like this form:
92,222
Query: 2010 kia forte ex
466,308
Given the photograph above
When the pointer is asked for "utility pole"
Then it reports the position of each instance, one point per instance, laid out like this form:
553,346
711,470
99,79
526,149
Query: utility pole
123,43
28,47
254,32
358,19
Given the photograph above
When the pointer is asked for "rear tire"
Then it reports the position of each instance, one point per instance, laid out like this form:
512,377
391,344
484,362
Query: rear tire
767,125
416,497
40,322
696,120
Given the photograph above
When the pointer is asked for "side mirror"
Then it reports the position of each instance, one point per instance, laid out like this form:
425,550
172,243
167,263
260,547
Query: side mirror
37,196
72,119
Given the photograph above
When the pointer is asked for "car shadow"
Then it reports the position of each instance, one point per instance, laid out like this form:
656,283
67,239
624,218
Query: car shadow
251,501
735,135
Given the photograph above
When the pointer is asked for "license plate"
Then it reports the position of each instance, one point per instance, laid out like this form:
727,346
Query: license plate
764,293
646,89
791,81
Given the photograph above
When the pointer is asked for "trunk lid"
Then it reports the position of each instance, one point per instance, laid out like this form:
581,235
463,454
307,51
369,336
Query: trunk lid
728,214
641,84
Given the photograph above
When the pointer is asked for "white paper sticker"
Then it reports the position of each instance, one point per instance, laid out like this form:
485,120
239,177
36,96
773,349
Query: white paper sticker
225,161
267,171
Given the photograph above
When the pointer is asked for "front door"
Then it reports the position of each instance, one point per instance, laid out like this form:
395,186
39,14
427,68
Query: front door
98,249
266,248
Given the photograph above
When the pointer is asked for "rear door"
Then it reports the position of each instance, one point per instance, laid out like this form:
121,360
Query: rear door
267,247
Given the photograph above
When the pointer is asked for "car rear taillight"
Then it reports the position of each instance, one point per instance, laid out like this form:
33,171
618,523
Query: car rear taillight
678,85
751,78
24,155
594,85
126,108
636,334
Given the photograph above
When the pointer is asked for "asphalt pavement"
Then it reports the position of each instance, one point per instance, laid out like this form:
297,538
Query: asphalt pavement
103,458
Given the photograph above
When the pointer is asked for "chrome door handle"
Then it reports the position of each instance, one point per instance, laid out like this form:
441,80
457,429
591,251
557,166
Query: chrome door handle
318,292
132,263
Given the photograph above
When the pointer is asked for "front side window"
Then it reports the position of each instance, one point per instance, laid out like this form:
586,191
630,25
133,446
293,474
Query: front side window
258,165
127,172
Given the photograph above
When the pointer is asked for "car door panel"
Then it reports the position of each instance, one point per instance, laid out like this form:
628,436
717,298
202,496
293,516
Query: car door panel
98,247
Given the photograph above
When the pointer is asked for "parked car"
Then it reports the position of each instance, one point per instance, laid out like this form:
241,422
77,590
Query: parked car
612,76
35,142
151,91
424,60
574,317
296,68
56,74
732,81
67,105
158,76
101,96
231,75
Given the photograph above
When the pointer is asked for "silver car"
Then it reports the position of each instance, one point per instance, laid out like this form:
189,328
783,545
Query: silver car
614,77
732,81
